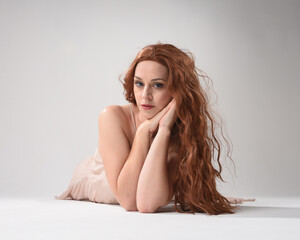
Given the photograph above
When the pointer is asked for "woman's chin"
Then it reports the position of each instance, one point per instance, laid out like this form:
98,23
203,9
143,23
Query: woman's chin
147,116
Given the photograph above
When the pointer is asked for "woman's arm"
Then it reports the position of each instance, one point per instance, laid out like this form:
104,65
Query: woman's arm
153,185
129,175
154,188
122,164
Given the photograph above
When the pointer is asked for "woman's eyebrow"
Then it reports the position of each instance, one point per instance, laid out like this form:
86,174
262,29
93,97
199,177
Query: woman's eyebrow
154,79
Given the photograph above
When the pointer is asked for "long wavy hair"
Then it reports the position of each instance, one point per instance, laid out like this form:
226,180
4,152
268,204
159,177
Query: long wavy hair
194,134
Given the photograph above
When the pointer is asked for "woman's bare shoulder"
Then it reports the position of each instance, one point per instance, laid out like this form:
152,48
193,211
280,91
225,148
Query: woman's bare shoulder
116,116
113,112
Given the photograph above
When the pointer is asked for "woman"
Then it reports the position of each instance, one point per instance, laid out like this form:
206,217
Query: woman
158,148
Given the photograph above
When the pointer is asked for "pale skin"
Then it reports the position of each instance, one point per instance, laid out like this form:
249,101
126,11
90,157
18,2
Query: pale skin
139,164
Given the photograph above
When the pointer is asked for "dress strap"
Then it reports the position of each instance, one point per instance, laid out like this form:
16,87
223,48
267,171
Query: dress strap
132,117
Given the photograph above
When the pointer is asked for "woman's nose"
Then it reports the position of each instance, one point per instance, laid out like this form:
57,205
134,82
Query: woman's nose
147,93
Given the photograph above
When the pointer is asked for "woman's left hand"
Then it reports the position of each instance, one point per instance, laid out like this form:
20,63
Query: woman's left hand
170,116
239,200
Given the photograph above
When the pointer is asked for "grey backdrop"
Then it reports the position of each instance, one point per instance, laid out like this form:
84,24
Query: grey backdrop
59,67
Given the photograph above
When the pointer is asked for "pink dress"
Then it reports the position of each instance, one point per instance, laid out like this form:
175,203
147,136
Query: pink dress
89,180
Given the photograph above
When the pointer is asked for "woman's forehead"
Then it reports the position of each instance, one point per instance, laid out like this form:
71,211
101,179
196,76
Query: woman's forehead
151,68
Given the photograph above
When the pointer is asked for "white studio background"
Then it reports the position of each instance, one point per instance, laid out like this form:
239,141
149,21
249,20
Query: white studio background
59,67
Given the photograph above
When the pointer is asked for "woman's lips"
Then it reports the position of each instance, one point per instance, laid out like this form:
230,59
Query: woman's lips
147,106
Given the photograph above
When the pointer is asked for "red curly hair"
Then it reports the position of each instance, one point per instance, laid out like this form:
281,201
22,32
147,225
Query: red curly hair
194,131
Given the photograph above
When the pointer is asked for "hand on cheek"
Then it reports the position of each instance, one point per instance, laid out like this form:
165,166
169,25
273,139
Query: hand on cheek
170,116
155,121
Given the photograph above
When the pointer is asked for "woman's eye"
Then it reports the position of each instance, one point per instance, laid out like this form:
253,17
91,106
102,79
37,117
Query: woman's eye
158,85
139,84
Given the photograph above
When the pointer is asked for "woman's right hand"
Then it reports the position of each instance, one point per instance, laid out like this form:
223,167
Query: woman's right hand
153,123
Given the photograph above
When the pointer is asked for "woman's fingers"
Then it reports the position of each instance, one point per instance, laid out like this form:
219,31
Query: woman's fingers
169,118
156,119
163,111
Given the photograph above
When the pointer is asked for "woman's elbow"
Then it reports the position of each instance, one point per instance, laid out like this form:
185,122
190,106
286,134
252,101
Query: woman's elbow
141,209
131,209
128,206
149,208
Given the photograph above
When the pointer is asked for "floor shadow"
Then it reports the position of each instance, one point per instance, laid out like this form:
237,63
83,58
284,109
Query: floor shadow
249,212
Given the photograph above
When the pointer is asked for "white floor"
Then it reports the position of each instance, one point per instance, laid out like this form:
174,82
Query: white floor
47,218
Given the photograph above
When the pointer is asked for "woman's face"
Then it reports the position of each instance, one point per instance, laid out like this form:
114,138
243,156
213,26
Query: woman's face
150,88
